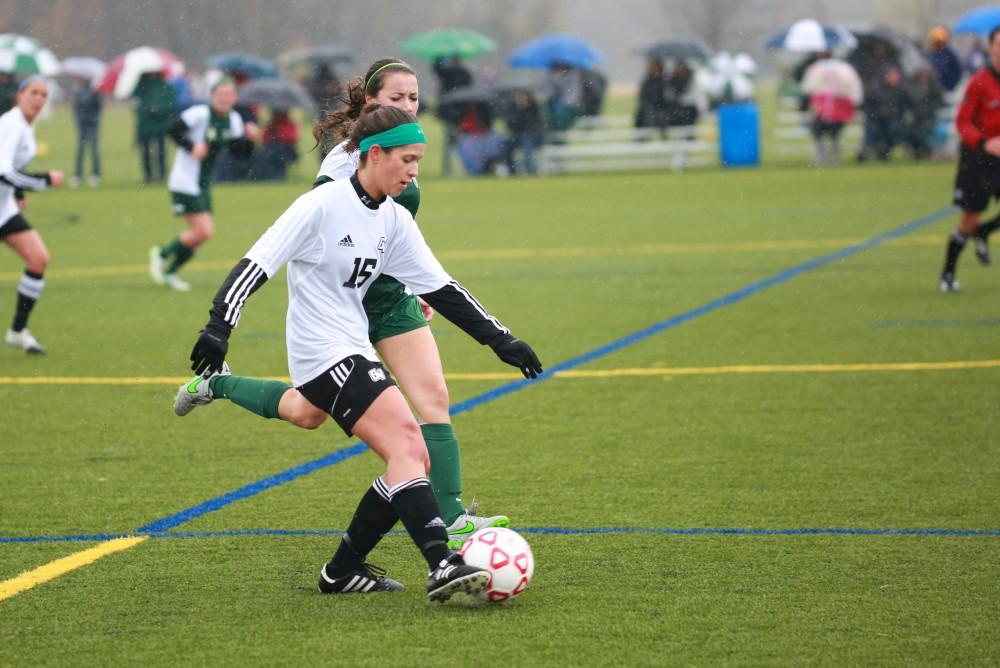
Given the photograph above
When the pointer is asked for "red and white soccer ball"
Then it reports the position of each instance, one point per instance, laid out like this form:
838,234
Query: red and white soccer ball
506,556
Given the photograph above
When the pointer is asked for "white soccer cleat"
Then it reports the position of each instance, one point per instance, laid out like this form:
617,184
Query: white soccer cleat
469,523
156,265
25,341
196,392
174,282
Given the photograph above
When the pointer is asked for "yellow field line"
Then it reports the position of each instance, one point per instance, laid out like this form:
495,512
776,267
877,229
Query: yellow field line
54,569
598,373
528,253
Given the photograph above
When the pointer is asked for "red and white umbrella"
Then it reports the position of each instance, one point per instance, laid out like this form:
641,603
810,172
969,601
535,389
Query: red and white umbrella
123,72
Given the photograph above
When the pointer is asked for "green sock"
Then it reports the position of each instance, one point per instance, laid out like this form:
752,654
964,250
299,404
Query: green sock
257,396
182,255
173,248
446,469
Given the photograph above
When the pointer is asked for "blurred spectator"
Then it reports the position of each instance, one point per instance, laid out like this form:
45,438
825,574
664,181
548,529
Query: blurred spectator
183,93
280,147
87,114
452,75
565,96
236,161
324,87
885,109
834,90
527,128
595,85
653,111
8,89
681,96
926,99
943,58
157,106
977,58
479,146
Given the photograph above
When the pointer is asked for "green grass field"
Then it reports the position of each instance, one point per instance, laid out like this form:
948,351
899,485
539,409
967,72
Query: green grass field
789,472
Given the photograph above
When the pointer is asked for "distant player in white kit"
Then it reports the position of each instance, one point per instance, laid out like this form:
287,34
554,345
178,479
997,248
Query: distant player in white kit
336,239
17,148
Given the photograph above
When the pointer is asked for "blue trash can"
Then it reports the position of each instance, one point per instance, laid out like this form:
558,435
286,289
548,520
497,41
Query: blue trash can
739,135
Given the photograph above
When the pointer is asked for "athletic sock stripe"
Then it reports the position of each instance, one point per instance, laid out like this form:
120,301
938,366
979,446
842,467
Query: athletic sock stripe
31,287
409,484
381,489
479,307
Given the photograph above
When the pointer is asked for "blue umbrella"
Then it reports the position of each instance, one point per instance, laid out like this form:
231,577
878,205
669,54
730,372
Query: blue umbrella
549,50
254,67
809,35
979,21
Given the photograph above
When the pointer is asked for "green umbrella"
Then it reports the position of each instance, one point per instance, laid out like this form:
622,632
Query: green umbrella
448,42
24,56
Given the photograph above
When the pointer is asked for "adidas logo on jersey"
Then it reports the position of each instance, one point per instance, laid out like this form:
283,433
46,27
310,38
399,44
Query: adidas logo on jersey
346,241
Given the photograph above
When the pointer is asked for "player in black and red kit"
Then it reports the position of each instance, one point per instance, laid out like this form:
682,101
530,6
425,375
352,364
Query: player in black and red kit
978,178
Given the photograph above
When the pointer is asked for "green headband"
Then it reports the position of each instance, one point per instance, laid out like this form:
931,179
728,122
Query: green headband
401,135
393,64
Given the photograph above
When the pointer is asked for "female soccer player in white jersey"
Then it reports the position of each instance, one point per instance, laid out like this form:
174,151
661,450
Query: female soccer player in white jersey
200,132
397,321
336,240
17,148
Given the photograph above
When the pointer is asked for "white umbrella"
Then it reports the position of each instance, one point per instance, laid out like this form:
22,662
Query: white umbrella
24,56
81,67
142,60
835,78
731,77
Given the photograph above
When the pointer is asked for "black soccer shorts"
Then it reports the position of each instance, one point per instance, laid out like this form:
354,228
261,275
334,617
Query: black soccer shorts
347,389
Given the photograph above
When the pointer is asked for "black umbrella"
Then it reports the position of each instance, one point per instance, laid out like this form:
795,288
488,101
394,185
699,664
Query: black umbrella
276,93
678,49
879,46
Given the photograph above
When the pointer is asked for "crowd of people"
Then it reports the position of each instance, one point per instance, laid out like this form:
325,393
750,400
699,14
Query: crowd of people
899,105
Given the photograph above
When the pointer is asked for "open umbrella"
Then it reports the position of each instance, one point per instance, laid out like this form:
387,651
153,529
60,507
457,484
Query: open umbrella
24,56
124,71
810,35
731,78
877,46
276,93
246,64
834,78
550,50
446,42
81,67
678,49
979,21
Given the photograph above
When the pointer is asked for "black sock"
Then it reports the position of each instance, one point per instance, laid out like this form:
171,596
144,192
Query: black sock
418,509
989,227
373,519
28,292
956,242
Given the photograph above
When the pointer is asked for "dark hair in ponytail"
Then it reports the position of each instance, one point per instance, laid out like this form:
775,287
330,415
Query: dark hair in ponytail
335,126
375,118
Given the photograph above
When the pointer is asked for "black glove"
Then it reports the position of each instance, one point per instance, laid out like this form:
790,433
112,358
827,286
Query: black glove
210,350
517,353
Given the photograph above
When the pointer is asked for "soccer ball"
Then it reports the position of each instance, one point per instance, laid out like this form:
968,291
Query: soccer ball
506,556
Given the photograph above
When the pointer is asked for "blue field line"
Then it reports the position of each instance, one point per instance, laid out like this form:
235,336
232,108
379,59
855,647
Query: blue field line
255,488
552,531
725,300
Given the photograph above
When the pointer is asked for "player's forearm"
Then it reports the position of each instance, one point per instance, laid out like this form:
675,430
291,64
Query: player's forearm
25,181
460,307
227,306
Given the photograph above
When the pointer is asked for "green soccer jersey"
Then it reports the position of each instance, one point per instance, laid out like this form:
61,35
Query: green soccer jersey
217,135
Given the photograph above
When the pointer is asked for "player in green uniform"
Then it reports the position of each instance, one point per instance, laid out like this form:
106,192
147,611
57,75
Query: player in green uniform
201,132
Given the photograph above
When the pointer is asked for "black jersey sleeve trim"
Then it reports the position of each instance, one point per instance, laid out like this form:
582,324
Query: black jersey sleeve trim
460,307
178,132
26,181
227,306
